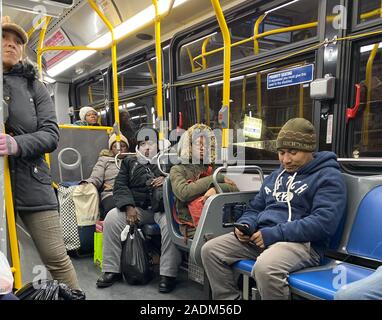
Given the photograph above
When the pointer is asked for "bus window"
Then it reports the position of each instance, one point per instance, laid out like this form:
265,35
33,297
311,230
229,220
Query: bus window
92,92
302,13
137,77
369,10
264,111
133,114
367,126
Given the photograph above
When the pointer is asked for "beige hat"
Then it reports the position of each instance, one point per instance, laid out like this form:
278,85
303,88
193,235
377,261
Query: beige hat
113,138
84,111
8,25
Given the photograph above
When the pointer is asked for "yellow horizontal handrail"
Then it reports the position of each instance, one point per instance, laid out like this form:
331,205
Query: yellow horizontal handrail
262,35
71,126
370,14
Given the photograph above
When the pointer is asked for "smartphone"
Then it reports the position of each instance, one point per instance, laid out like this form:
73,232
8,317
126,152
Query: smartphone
242,227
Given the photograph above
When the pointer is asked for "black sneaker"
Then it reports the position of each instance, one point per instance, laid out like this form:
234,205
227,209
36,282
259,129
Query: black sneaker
107,279
166,284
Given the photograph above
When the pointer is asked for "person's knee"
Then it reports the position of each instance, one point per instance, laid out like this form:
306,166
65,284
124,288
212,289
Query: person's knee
207,249
346,293
263,269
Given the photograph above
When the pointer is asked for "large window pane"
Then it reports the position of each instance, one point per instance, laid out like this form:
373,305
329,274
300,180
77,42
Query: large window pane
92,92
367,126
302,13
369,10
251,102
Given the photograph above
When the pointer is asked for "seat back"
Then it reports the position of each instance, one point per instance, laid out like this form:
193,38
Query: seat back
365,239
358,189
211,220
169,206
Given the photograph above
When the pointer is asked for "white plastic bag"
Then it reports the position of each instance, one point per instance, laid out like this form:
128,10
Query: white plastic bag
6,277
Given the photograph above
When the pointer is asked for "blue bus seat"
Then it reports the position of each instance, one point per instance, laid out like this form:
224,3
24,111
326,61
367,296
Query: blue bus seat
150,230
364,240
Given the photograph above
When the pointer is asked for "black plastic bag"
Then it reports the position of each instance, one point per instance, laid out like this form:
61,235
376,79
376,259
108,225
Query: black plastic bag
135,260
48,290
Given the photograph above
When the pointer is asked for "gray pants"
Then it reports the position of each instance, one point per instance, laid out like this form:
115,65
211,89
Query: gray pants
46,232
271,270
114,224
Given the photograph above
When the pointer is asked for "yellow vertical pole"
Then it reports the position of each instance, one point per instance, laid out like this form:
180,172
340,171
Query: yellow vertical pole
13,243
90,94
152,75
197,97
206,88
244,95
258,74
301,102
114,68
41,44
158,51
369,75
226,71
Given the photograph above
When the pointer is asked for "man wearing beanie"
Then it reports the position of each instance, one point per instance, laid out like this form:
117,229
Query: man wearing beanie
138,196
290,221
88,117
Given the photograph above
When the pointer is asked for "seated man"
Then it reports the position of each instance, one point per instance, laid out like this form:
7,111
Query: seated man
291,219
136,182
369,288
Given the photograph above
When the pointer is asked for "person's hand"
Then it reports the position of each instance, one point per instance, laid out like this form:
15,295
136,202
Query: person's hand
257,238
131,215
240,235
157,182
229,181
8,145
210,192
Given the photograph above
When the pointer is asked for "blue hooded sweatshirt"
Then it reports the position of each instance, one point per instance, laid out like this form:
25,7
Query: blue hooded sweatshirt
312,211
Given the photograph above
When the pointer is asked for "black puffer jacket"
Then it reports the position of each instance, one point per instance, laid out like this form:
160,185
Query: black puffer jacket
32,122
132,185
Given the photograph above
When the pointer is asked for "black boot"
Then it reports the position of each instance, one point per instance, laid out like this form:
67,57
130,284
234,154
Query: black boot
107,279
166,284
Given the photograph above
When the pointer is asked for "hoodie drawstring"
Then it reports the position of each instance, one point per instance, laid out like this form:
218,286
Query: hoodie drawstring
288,191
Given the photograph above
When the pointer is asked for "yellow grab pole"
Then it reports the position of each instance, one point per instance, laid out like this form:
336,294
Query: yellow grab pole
244,95
206,88
152,75
114,68
226,73
13,243
197,102
35,26
369,75
90,94
258,74
158,51
40,45
301,102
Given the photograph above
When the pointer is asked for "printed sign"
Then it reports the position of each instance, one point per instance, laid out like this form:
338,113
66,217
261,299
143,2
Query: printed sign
290,77
252,127
59,38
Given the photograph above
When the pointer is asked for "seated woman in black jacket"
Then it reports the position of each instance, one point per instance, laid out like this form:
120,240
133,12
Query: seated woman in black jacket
138,179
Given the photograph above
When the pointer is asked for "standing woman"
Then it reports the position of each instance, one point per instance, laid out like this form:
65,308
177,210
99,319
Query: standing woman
32,131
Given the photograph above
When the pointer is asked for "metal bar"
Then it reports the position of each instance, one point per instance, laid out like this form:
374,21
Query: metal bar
41,44
197,102
369,74
258,75
244,95
114,70
68,126
301,102
262,35
35,26
151,72
206,88
235,168
355,160
226,71
13,243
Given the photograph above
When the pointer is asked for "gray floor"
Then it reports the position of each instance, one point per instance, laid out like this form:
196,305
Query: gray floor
88,273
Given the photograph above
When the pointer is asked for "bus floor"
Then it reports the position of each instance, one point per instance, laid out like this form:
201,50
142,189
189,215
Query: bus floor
88,274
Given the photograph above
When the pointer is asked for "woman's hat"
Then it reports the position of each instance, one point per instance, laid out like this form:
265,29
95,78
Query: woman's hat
84,111
7,25
113,138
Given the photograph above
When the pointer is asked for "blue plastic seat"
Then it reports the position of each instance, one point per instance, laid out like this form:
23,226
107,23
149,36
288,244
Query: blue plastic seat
365,240
322,283
244,266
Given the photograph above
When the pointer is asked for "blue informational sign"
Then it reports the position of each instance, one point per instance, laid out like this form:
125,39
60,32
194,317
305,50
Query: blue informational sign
290,77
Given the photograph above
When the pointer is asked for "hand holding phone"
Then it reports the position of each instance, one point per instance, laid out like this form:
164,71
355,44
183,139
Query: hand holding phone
244,229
